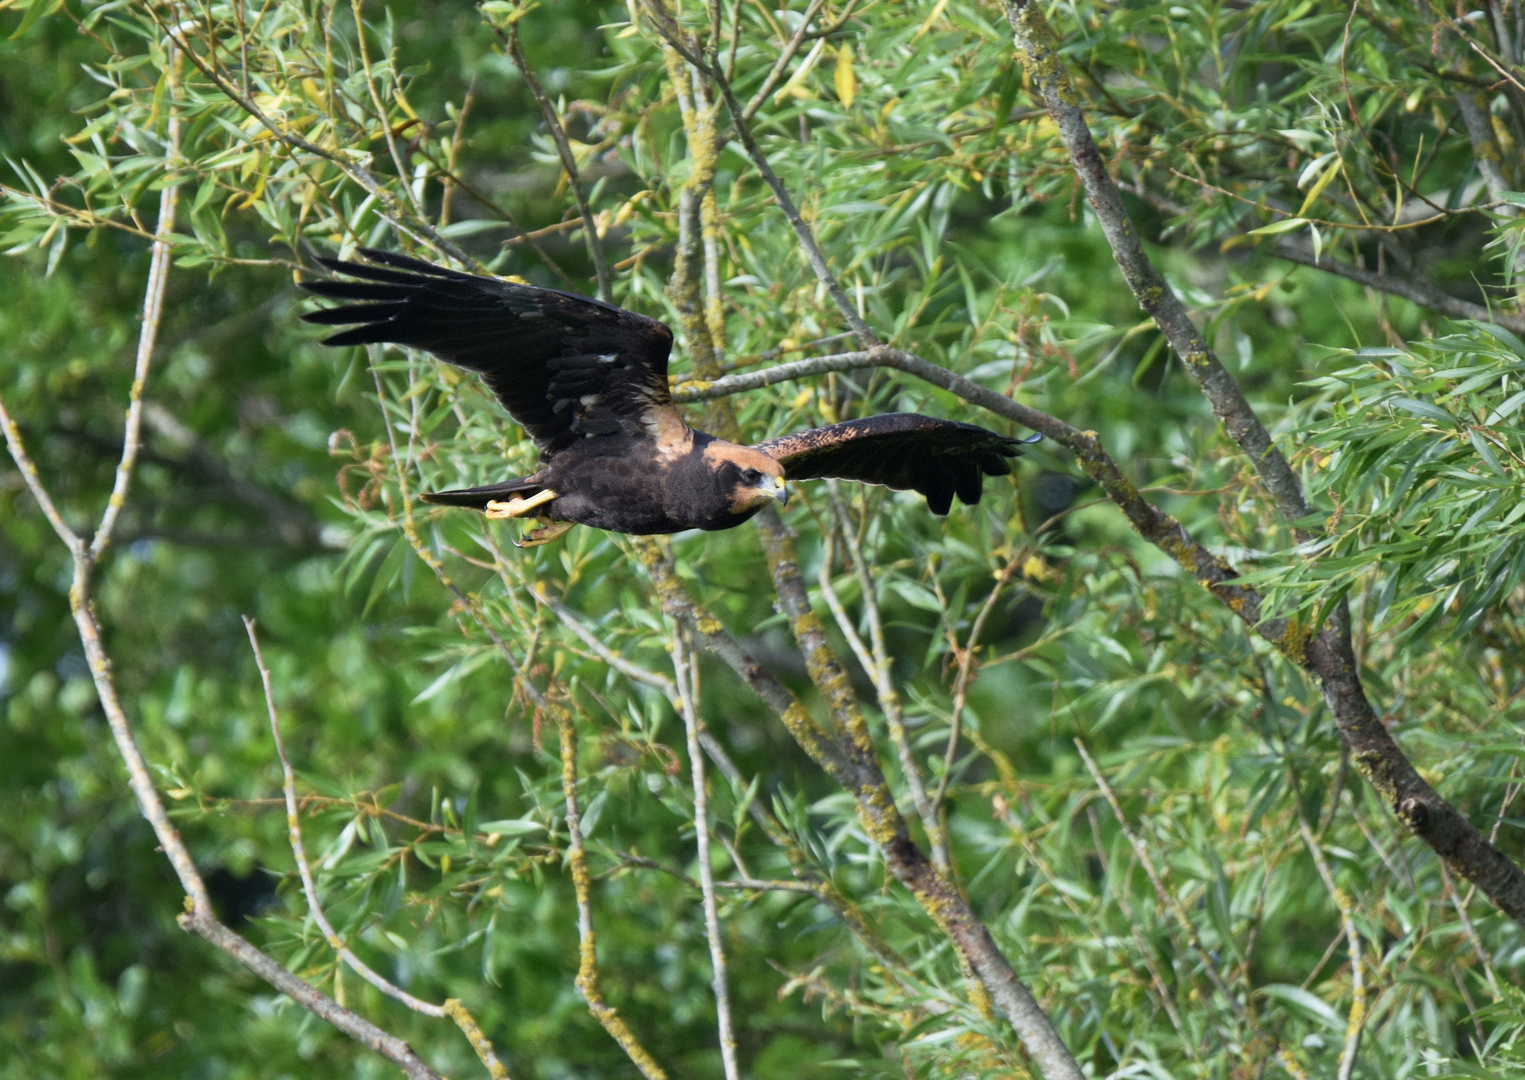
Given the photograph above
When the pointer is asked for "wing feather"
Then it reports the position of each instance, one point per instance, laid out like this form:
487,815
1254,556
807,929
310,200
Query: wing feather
566,367
903,451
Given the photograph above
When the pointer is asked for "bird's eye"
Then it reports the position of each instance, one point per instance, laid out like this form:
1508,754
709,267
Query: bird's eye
751,476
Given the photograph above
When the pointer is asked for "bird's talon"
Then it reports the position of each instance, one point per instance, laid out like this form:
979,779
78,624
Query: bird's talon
544,533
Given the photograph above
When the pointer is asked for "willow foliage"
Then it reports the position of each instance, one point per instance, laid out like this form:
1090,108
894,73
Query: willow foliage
1212,892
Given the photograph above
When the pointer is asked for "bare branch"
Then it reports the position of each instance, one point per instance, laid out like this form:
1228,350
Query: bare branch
153,305
686,674
39,490
299,852
324,1008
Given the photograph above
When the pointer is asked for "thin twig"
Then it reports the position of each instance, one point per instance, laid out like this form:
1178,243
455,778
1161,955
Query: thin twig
299,852
654,679
791,47
1169,902
966,669
381,112
1356,1022
595,245
684,674
153,306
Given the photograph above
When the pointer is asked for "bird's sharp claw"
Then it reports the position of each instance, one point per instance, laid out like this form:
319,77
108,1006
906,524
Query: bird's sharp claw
544,533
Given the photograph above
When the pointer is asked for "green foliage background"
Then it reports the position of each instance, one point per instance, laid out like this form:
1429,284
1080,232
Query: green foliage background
277,477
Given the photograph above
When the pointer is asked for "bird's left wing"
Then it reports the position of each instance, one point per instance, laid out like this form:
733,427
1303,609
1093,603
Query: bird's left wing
904,451
566,367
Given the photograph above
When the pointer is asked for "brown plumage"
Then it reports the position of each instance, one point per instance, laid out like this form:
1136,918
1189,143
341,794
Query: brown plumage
588,383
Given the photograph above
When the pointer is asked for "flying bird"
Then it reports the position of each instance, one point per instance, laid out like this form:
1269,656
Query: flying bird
588,383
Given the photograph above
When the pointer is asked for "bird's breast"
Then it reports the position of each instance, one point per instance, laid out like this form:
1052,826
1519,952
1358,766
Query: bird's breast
630,486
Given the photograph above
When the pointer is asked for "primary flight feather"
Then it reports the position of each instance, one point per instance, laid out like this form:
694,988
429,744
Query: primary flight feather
588,383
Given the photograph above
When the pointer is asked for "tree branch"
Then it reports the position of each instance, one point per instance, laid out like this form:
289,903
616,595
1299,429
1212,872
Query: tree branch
1422,293
1327,654
1037,49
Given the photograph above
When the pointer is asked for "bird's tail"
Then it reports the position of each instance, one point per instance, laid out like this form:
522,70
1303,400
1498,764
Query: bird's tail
478,497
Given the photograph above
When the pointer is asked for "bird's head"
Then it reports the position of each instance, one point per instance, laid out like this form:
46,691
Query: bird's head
749,478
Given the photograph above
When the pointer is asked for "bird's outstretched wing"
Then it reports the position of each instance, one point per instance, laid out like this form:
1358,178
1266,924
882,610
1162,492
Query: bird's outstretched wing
565,367
904,451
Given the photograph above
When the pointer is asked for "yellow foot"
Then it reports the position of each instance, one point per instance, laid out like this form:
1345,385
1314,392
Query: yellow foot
518,507
544,533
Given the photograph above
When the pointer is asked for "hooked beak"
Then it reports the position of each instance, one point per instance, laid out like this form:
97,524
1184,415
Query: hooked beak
773,487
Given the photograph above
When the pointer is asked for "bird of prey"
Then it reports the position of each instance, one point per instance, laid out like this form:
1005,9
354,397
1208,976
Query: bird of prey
588,383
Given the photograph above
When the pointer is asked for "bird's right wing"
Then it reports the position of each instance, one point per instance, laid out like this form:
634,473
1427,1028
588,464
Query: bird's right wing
904,451
566,367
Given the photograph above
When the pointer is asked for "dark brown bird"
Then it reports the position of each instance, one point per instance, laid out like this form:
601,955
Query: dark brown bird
588,382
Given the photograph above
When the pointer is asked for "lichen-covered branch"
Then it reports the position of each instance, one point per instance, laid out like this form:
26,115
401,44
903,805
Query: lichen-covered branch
859,774
588,983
